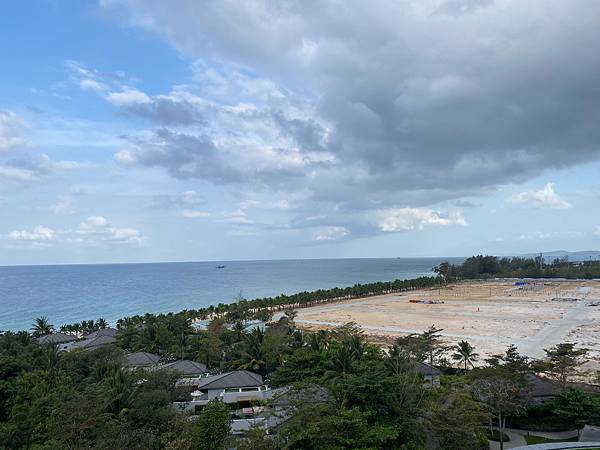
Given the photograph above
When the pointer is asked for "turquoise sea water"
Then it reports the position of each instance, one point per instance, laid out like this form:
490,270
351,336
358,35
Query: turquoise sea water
71,293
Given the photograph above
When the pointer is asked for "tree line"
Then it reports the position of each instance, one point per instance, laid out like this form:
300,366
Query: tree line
482,267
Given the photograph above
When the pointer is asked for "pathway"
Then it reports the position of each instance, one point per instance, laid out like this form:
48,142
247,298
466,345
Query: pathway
516,440
556,331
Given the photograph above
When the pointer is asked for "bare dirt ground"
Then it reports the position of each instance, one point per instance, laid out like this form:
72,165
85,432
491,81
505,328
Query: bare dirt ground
490,315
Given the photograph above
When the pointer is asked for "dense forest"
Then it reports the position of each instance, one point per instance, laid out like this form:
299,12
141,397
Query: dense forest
517,267
378,400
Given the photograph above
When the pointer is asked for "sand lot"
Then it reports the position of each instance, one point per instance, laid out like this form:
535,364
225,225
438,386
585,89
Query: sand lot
490,315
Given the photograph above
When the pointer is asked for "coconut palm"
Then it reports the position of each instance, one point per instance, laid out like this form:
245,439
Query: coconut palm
238,329
41,327
398,360
318,341
120,392
355,344
51,356
465,354
182,343
250,354
341,366
101,323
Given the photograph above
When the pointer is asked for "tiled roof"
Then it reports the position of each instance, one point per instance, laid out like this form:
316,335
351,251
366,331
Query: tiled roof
541,387
111,332
56,338
234,379
96,341
140,359
427,370
185,367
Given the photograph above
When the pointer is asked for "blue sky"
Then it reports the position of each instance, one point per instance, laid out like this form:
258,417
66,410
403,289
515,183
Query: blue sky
165,131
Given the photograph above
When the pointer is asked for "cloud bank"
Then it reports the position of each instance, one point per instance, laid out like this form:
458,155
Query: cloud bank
391,106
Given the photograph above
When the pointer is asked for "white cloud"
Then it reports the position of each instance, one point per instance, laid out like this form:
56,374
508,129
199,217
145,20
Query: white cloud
332,233
68,165
190,198
237,217
88,84
282,204
544,198
10,124
86,79
193,214
39,234
96,229
64,205
407,219
93,222
540,235
127,97
16,174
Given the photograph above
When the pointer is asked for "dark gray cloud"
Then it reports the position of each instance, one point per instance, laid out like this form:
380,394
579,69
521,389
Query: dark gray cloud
183,155
410,103
167,111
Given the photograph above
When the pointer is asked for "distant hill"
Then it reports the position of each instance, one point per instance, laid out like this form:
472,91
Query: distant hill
584,255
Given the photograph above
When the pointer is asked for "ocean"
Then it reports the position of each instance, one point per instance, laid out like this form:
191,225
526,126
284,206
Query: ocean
71,293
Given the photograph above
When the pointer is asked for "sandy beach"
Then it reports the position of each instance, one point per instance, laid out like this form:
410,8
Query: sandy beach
490,315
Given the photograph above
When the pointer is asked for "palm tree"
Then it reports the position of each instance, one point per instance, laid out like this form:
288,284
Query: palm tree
128,336
465,354
398,360
182,343
250,354
341,366
120,392
238,329
101,323
42,327
318,341
355,344
51,356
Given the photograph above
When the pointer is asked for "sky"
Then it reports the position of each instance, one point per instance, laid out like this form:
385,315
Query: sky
135,131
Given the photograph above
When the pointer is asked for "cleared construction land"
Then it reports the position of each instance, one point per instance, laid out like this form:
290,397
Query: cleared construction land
490,315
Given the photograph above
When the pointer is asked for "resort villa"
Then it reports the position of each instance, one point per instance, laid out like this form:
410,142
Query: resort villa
62,340
242,389
91,341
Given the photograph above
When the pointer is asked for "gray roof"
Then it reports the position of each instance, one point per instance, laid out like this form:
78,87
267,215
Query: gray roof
91,343
110,332
56,338
427,370
312,393
234,379
185,367
96,339
541,387
140,359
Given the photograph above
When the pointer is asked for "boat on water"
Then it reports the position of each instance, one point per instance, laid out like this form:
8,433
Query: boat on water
219,267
